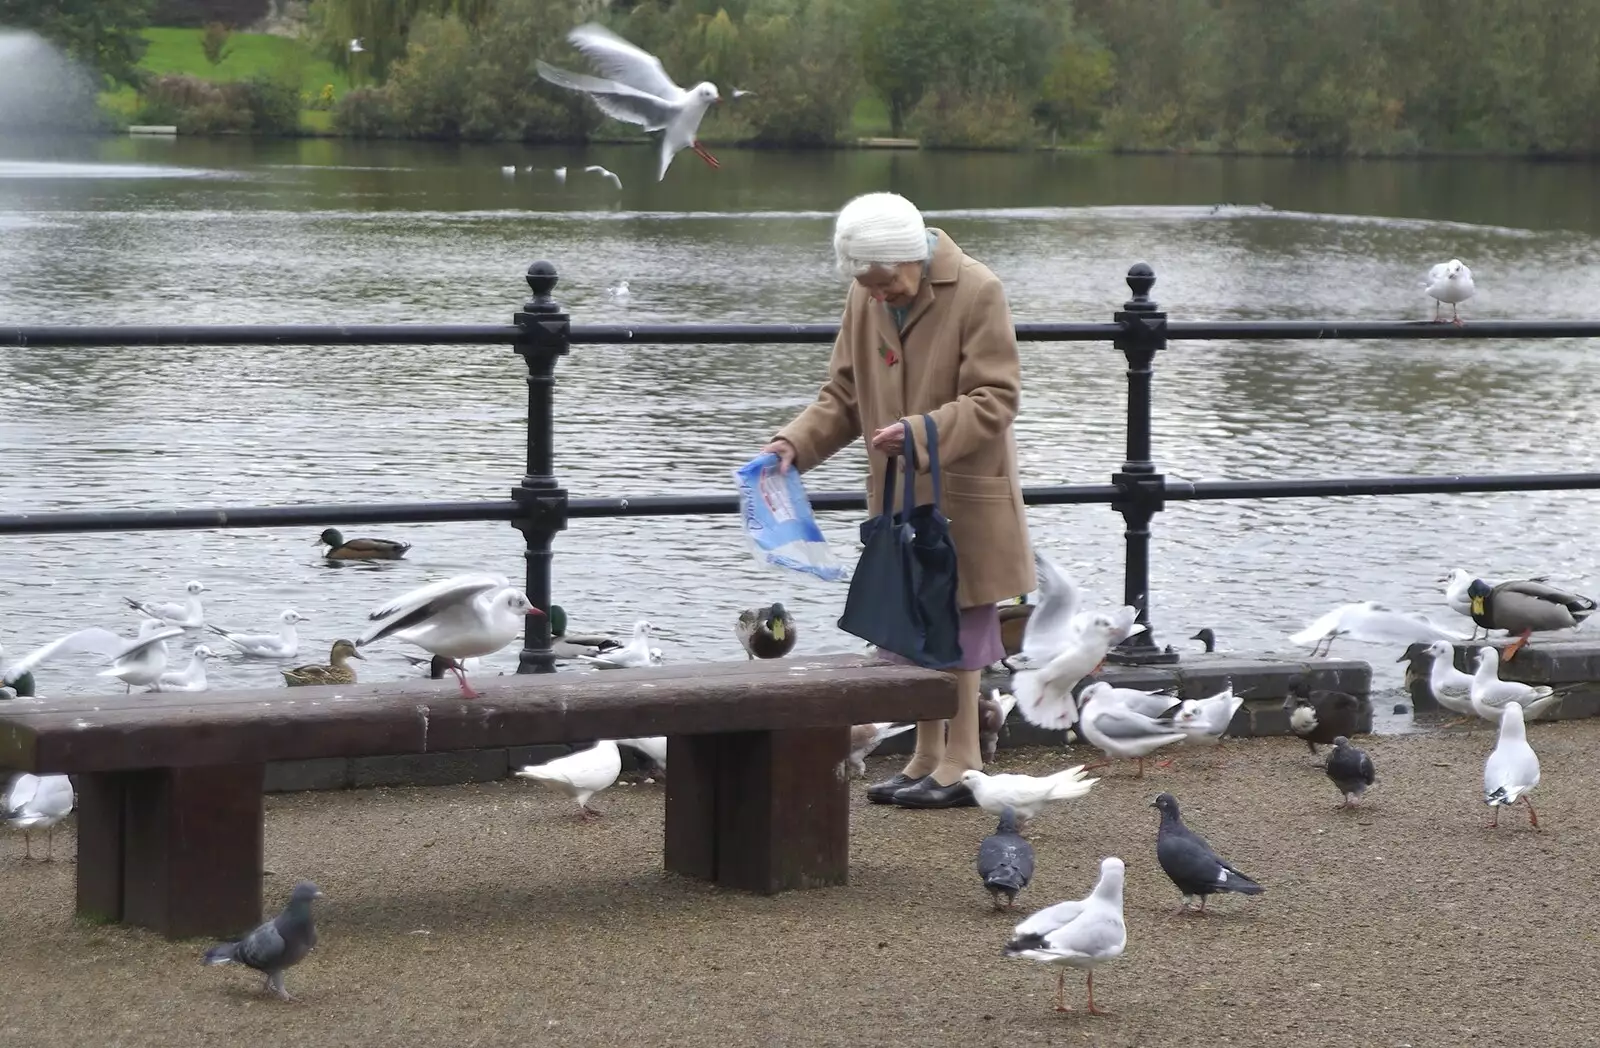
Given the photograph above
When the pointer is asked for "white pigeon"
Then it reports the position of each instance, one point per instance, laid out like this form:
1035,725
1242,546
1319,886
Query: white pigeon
864,738
1205,721
285,644
638,91
188,615
652,746
35,801
603,173
635,654
355,46
580,775
1371,621
1081,933
143,660
1119,732
459,617
1490,695
192,677
1450,282
1149,703
1512,769
1450,687
1062,645
1025,794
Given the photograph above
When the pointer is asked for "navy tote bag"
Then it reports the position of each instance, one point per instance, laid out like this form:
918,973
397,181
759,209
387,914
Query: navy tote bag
903,593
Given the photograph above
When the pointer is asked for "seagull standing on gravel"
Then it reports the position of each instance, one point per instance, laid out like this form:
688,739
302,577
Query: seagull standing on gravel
638,91
1450,282
1079,933
1124,733
1449,687
1512,768
35,801
458,618
579,775
188,615
285,644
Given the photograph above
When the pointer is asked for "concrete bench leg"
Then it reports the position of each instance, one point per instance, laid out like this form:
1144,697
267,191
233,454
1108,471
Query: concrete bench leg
176,850
763,811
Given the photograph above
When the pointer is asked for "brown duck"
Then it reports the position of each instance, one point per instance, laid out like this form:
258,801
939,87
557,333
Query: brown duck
360,549
337,671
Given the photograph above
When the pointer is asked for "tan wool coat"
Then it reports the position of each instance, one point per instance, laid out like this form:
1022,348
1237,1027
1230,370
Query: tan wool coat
957,361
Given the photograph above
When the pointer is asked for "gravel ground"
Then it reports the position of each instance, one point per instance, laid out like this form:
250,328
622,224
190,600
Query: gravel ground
485,915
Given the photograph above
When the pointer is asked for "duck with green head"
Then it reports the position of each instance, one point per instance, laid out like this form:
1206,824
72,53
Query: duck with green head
21,688
576,645
1524,607
766,633
337,671
360,549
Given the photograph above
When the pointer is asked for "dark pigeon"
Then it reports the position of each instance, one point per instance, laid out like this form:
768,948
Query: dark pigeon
1321,716
1190,863
1005,860
276,946
1350,769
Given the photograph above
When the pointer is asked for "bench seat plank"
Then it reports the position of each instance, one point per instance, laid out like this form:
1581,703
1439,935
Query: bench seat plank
124,733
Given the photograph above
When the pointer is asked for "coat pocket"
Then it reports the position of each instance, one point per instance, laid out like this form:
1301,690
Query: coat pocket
967,487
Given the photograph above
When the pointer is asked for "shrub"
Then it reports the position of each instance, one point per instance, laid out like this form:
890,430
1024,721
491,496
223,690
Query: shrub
214,42
364,112
952,120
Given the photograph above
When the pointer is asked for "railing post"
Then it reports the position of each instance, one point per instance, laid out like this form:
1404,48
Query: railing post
1144,333
545,327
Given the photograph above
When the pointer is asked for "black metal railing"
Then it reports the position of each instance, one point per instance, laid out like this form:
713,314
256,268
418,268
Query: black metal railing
539,506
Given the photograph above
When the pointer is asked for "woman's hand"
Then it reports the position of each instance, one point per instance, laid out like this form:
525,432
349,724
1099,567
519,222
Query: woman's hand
891,440
785,452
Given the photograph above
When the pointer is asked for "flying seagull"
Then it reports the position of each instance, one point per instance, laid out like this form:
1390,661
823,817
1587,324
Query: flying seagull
636,89
603,173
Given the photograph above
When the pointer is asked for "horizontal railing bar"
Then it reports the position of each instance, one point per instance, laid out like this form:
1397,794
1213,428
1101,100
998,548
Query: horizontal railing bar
61,336
823,501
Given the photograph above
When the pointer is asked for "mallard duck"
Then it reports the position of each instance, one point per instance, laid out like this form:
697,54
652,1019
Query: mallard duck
360,549
439,665
1523,607
766,633
576,645
1321,716
337,671
21,688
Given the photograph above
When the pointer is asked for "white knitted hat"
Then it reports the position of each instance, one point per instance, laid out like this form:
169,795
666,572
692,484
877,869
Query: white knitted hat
878,229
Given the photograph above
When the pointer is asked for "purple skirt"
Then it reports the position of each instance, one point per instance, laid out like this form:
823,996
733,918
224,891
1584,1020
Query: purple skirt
980,640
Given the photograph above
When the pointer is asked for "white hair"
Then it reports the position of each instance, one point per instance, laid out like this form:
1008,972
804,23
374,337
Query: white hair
878,231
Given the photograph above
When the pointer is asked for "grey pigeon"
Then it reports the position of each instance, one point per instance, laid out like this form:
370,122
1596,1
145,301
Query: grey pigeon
1350,769
1190,863
1005,860
277,945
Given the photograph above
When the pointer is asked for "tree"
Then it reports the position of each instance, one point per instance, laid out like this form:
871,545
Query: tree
382,26
214,42
104,35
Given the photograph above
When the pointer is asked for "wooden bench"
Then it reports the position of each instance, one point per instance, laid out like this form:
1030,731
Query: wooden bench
170,814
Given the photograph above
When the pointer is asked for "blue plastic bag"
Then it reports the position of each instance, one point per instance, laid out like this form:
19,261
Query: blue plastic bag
778,521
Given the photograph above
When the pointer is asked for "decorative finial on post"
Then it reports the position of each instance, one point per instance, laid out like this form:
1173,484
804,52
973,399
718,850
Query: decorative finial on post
542,280
1141,278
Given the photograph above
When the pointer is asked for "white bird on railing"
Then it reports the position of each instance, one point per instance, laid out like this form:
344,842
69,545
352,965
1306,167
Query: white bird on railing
638,91
460,617
1450,282
189,615
603,173
285,644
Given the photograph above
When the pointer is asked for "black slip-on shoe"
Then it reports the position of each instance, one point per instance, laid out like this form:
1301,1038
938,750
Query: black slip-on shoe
883,792
929,794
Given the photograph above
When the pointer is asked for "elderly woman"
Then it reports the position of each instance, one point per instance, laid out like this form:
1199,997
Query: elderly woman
926,330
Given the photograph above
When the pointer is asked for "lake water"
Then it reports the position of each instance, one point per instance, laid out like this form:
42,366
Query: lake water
143,230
